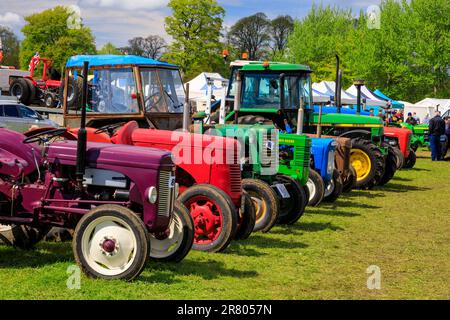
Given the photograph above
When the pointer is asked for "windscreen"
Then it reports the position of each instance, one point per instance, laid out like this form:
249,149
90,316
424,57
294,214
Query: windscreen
263,91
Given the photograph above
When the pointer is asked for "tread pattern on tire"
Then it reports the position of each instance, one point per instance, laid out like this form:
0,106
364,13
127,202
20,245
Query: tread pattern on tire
317,180
299,193
377,160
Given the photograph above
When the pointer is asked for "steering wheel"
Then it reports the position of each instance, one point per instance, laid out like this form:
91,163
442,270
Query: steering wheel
151,96
39,137
109,128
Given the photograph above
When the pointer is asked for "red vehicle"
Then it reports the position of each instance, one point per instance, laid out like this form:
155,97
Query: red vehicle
213,193
28,89
401,139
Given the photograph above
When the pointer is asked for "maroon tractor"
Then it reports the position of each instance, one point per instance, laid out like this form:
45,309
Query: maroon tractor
120,200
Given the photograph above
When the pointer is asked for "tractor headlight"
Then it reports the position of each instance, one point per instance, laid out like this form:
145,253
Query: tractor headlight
330,164
152,195
392,143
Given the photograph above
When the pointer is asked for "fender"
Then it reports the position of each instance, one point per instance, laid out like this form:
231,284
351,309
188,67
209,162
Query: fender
357,134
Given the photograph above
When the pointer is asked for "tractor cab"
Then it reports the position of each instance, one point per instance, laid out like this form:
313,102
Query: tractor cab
125,88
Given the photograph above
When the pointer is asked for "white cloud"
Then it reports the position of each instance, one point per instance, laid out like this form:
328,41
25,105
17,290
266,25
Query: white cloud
11,19
126,4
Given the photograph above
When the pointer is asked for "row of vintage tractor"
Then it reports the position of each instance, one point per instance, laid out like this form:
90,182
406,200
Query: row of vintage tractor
137,174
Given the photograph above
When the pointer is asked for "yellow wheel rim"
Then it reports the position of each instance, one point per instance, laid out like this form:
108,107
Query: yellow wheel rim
361,163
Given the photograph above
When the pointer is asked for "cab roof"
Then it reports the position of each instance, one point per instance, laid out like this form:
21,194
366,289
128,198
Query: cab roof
111,60
273,66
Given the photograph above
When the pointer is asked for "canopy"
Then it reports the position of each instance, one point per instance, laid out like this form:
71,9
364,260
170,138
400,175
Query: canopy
328,88
371,99
103,60
198,87
394,104
441,105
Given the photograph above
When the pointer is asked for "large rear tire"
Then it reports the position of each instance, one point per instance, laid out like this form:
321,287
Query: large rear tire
368,162
111,242
265,201
215,221
390,166
174,244
291,209
316,188
334,188
400,158
21,89
74,91
20,236
410,162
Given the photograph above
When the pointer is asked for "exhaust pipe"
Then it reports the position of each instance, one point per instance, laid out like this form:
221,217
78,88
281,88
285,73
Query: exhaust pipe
82,134
237,97
186,110
338,87
300,117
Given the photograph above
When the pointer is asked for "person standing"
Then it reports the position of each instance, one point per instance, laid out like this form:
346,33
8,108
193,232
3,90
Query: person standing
437,129
411,119
416,118
426,120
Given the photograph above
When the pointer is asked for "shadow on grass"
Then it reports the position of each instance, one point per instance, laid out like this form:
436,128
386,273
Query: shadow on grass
370,194
395,178
333,212
208,270
45,254
419,169
302,227
395,187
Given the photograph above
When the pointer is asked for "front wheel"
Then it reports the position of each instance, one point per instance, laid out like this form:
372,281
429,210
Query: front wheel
316,188
111,242
334,188
176,242
410,162
292,208
215,221
349,182
247,218
265,201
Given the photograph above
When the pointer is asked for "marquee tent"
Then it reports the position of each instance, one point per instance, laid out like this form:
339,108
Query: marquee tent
394,104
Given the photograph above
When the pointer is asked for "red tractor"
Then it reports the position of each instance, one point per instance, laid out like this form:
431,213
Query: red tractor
30,90
400,138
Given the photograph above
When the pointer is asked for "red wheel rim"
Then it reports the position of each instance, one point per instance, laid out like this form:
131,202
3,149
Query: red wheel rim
207,218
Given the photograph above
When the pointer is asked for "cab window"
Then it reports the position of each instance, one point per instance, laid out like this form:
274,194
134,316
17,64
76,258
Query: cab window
28,113
11,111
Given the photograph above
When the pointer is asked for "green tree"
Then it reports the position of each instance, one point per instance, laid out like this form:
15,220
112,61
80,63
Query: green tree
251,35
280,29
151,47
49,34
195,26
10,47
318,37
109,48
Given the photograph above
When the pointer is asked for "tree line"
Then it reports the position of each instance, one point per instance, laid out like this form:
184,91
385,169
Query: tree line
407,55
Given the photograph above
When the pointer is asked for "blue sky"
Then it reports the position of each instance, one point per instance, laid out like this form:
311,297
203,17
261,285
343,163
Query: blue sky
117,21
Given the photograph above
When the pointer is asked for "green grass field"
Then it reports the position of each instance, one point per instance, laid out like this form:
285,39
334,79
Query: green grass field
403,228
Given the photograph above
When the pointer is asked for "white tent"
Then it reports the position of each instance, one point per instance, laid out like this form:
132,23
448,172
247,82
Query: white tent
441,105
371,99
198,88
420,110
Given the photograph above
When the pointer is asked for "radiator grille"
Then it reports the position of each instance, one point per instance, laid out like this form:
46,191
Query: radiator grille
166,193
302,155
270,150
235,174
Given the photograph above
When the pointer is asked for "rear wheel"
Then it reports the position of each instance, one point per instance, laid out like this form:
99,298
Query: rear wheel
316,188
265,201
334,188
21,90
350,181
292,208
176,242
390,166
111,242
215,221
368,162
74,90
20,236
411,160
49,100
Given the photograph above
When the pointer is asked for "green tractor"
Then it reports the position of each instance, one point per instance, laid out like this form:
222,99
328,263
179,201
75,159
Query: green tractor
281,93
420,135
276,195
